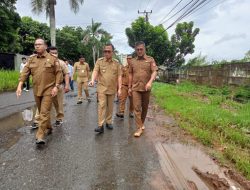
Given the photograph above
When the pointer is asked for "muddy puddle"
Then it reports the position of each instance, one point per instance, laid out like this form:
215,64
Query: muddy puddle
188,167
9,126
185,162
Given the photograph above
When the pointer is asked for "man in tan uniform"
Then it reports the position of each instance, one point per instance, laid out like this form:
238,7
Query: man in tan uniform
82,70
47,76
124,95
108,72
58,99
142,73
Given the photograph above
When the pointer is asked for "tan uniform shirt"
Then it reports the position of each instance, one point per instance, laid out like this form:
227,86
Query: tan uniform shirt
82,71
108,73
45,71
142,70
64,67
125,75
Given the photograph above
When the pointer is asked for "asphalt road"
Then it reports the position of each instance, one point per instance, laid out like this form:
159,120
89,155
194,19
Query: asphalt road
74,156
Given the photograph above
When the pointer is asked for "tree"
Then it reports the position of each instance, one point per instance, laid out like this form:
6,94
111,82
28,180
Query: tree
38,6
9,25
70,46
165,51
247,56
29,31
96,37
155,38
182,43
197,61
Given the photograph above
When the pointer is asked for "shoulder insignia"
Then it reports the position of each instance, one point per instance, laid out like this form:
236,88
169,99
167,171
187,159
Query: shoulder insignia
100,58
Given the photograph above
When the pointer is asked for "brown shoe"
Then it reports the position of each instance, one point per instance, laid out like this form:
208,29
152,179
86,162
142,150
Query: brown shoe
138,133
48,131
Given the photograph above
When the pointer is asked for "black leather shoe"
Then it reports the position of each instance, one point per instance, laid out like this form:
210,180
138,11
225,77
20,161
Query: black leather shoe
99,129
109,126
40,141
34,125
120,115
79,102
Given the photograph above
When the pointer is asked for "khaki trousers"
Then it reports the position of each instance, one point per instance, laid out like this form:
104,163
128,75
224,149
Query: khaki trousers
140,102
58,103
123,99
44,104
82,85
105,108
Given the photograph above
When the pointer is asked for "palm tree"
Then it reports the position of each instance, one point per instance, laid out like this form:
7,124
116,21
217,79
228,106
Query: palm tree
39,6
93,36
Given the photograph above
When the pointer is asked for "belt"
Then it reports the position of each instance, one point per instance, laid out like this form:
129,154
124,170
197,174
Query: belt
125,84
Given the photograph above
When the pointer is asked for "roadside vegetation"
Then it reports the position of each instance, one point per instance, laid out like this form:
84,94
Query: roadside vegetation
8,80
217,117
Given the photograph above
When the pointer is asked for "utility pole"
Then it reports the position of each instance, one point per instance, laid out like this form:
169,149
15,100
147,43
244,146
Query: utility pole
146,13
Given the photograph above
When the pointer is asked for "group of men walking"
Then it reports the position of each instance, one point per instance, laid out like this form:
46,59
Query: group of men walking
51,79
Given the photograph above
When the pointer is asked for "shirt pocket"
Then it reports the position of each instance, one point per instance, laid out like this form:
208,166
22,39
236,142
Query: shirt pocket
33,67
49,68
146,66
103,69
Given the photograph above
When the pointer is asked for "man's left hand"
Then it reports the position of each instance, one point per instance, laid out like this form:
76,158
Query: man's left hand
148,86
66,89
119,93
54,91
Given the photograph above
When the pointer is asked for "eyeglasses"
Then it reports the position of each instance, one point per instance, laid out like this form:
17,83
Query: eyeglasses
107,51
139,49
38,44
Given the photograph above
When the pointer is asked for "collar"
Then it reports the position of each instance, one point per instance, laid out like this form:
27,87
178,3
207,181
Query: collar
43,55
105,59
81,63
143,58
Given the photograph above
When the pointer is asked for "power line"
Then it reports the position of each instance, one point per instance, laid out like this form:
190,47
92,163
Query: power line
210,8
171,11
178,11
186,13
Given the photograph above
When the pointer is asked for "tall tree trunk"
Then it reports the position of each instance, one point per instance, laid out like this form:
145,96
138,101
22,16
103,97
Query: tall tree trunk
52,22
93,51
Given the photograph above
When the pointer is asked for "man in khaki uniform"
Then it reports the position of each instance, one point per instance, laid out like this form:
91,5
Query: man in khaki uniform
124,94
108,72
82,70
47,76
142,73
58,99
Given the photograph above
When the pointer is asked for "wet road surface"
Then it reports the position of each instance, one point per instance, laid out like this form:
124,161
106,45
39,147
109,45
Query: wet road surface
77,158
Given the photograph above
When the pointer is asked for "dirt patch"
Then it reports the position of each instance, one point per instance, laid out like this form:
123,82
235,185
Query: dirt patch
213,180
179,153
238,178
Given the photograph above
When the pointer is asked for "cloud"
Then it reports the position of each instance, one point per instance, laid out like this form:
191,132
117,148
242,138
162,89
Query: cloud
223,28
229,37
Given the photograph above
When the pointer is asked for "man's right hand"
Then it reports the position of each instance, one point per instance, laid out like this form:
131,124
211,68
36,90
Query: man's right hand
130,92
18,92
91,83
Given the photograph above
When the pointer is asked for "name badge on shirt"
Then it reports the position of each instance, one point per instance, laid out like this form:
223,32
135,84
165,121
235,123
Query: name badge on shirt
82,71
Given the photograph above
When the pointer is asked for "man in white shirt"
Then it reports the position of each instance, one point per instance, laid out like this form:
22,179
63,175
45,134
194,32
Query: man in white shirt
27,83
71,80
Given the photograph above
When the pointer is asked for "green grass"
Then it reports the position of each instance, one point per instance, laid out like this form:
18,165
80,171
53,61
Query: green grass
8,80
218,117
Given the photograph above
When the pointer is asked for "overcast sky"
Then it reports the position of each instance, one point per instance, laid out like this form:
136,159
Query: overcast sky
224,24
